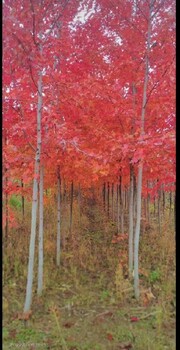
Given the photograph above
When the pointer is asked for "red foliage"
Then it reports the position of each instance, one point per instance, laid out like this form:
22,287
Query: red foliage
92,85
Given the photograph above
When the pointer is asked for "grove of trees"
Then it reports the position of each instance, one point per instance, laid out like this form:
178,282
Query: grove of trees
88,103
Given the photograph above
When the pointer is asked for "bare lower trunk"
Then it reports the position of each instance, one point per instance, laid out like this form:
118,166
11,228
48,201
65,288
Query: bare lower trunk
159,211
112,194
118,211
104,196
154,207
58,245
6,215
71,207
79,202
22,198
134,199
40,255
108,199
30,275
164,201
137,233
175,212
121,193
170,204
131,222
148,206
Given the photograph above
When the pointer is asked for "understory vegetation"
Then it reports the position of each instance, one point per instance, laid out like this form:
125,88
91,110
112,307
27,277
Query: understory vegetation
88,302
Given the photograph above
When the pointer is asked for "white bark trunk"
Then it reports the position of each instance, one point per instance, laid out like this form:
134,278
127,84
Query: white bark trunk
58,252
131,222
140,169
79,202
40,255
29,286
71,207
137,234
118,211
112,192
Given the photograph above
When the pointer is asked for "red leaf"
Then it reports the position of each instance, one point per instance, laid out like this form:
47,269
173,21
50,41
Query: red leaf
109,336
134,319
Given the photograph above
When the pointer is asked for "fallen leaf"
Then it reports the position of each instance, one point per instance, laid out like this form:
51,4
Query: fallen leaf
109,336
68,324
134,319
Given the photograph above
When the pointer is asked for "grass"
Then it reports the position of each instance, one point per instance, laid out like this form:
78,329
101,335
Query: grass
88,303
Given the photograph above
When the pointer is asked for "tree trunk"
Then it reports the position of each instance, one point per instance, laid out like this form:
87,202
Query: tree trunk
64,192
112,192
30,275
148,206
22,198
159,211
6,212
140,169
79,202
134,200
121,192
7,219
118,211
170,204
154,207
131,190
164,201
104,196
58,246
108,199
175,211
40,255
71,207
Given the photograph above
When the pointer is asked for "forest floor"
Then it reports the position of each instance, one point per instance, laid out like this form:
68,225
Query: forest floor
88,303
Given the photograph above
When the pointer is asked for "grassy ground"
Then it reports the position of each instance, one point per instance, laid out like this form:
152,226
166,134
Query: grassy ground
88,303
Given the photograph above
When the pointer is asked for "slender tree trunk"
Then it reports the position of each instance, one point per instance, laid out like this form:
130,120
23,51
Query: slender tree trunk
79,202
5,186
144,216
175,211
154,207
121,205
7,219
112,192
131,221
140,169
64,191
148,206
137,234
71,207
170,204
164,200
58,245
108,199
22,199
6,231
125,198
40,255
30,275
104,196
118,211
159,211
134,200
